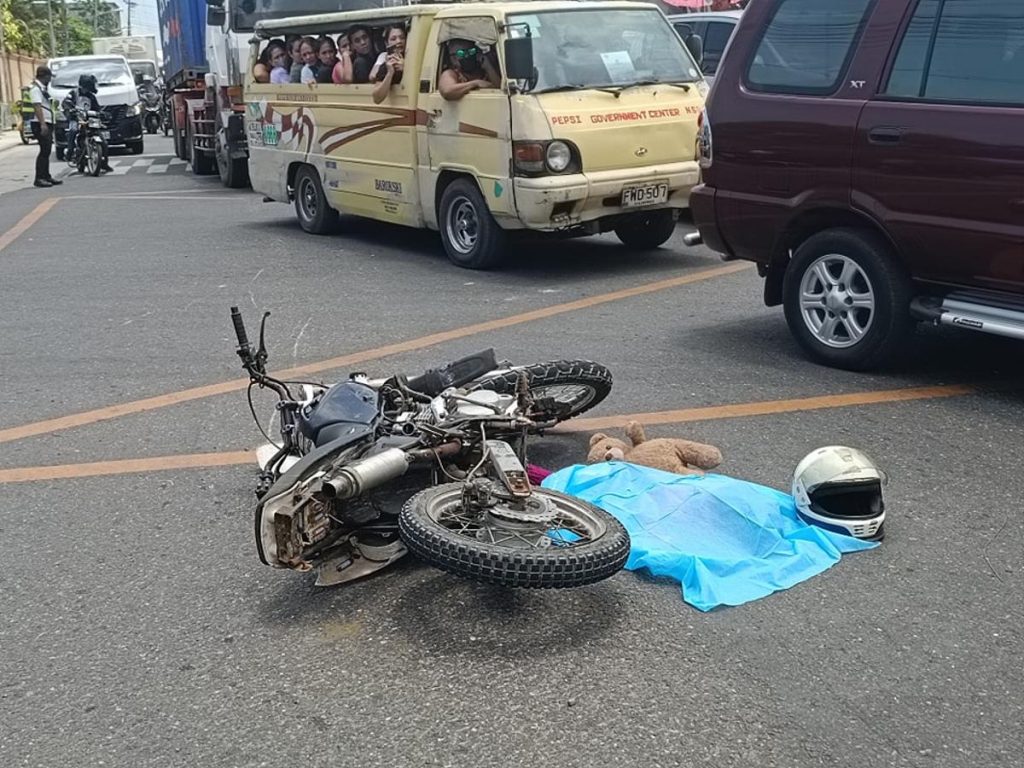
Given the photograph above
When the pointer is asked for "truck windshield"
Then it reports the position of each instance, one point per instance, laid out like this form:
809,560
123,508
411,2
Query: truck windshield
108,72
584,48
142,69
245,13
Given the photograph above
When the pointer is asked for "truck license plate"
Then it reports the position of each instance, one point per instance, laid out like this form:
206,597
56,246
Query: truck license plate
640,195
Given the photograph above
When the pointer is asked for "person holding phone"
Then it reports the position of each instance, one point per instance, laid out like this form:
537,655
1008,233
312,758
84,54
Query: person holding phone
387,70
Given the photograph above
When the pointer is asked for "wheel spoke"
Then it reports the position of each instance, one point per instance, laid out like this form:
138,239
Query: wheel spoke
850,272
862,301
811,300
821,272
853,328
828,328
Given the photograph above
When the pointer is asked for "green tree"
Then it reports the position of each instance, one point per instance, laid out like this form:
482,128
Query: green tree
25,26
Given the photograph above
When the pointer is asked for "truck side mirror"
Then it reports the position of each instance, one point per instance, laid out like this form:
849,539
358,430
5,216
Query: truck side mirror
519,58
215,16
695,44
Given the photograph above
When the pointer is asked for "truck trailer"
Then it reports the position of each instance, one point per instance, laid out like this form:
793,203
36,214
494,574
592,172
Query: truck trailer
206,50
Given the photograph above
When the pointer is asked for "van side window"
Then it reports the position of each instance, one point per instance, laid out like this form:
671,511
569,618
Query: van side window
975,54
805,47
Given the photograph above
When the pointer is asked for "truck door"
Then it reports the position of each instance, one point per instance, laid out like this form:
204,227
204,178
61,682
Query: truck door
470,135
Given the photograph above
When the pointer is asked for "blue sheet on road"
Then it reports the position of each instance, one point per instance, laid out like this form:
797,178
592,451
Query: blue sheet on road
726,541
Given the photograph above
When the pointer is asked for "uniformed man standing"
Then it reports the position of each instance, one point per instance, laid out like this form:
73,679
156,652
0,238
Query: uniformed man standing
42,125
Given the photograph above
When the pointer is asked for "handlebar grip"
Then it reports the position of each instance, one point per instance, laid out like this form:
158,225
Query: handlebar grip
243,339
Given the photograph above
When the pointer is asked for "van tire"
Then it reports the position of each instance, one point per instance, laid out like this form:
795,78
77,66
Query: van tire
136,147
314,213
861,270
471,237
647,231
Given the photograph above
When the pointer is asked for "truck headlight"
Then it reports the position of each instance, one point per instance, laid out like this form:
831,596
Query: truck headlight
135,109
558,156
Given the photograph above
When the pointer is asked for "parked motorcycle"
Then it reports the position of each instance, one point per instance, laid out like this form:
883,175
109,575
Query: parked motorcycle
88,153
368,469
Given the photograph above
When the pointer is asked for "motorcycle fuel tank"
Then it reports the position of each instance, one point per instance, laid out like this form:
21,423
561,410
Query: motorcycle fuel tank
348,409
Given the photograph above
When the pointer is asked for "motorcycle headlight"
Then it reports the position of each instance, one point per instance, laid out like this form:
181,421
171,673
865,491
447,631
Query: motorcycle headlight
558,156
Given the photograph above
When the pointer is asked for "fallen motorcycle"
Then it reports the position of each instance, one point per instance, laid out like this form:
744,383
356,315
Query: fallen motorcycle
452,445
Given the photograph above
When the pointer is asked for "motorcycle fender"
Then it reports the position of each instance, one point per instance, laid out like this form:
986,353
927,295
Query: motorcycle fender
267,451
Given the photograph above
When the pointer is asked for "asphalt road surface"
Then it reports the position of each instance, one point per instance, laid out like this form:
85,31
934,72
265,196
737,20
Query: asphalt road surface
138,628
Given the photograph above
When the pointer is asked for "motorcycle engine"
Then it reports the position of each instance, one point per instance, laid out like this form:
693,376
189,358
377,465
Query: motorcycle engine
483,403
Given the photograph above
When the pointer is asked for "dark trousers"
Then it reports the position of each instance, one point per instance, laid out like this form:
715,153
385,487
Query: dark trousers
43,159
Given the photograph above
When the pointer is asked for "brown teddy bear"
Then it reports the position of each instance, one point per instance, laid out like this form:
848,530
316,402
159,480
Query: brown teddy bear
683,457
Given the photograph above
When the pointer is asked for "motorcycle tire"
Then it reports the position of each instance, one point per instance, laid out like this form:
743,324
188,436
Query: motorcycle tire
429,521
593,381
94,158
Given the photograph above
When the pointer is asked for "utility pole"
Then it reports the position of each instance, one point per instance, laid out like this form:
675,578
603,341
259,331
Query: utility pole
53,37
129,3
64,9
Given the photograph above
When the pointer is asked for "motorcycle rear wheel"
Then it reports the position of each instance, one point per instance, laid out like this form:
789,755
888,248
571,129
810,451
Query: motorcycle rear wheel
571,543
576,385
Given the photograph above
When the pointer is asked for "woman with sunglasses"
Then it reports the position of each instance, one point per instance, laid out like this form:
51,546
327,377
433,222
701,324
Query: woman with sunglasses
468,70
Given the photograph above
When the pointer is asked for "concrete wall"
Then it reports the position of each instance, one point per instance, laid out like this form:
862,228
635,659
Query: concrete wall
16,70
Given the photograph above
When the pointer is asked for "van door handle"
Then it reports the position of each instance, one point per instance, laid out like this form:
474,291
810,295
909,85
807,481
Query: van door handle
885,135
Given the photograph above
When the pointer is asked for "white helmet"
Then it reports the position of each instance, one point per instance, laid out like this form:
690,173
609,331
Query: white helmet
840,489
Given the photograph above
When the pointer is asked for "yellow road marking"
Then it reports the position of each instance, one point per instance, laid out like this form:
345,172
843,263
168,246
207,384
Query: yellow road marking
154,198
735,410
27,221
126,466
768,407
354,358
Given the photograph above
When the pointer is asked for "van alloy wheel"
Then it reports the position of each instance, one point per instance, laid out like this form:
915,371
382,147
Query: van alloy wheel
837,301
307,199
463,225
314,212
847,298
471,237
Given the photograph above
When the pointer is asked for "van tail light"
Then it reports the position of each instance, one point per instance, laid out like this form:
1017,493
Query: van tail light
705,151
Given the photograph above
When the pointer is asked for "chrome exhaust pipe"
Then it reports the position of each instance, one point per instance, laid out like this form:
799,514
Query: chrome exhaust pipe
362,475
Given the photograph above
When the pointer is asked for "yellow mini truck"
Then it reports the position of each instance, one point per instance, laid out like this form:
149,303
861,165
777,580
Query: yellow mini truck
475,119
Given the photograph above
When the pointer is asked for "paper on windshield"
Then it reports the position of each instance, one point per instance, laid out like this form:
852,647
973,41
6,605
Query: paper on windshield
619,65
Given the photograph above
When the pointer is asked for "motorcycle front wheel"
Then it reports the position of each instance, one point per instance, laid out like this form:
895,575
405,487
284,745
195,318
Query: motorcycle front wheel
562,389
550,541
93,158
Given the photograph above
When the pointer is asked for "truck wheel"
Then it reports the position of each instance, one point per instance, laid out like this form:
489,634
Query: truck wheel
846,299
647,231
135,147
233,173
311,207
471,237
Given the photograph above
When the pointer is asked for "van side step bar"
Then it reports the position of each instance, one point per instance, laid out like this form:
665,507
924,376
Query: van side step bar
976,312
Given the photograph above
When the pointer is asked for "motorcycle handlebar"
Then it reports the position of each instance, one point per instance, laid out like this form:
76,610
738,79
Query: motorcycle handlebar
240,334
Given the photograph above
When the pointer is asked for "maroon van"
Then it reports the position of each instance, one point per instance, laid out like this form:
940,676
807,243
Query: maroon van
868,155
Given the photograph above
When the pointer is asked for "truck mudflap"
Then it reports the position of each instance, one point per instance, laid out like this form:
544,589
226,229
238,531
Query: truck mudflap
235,130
